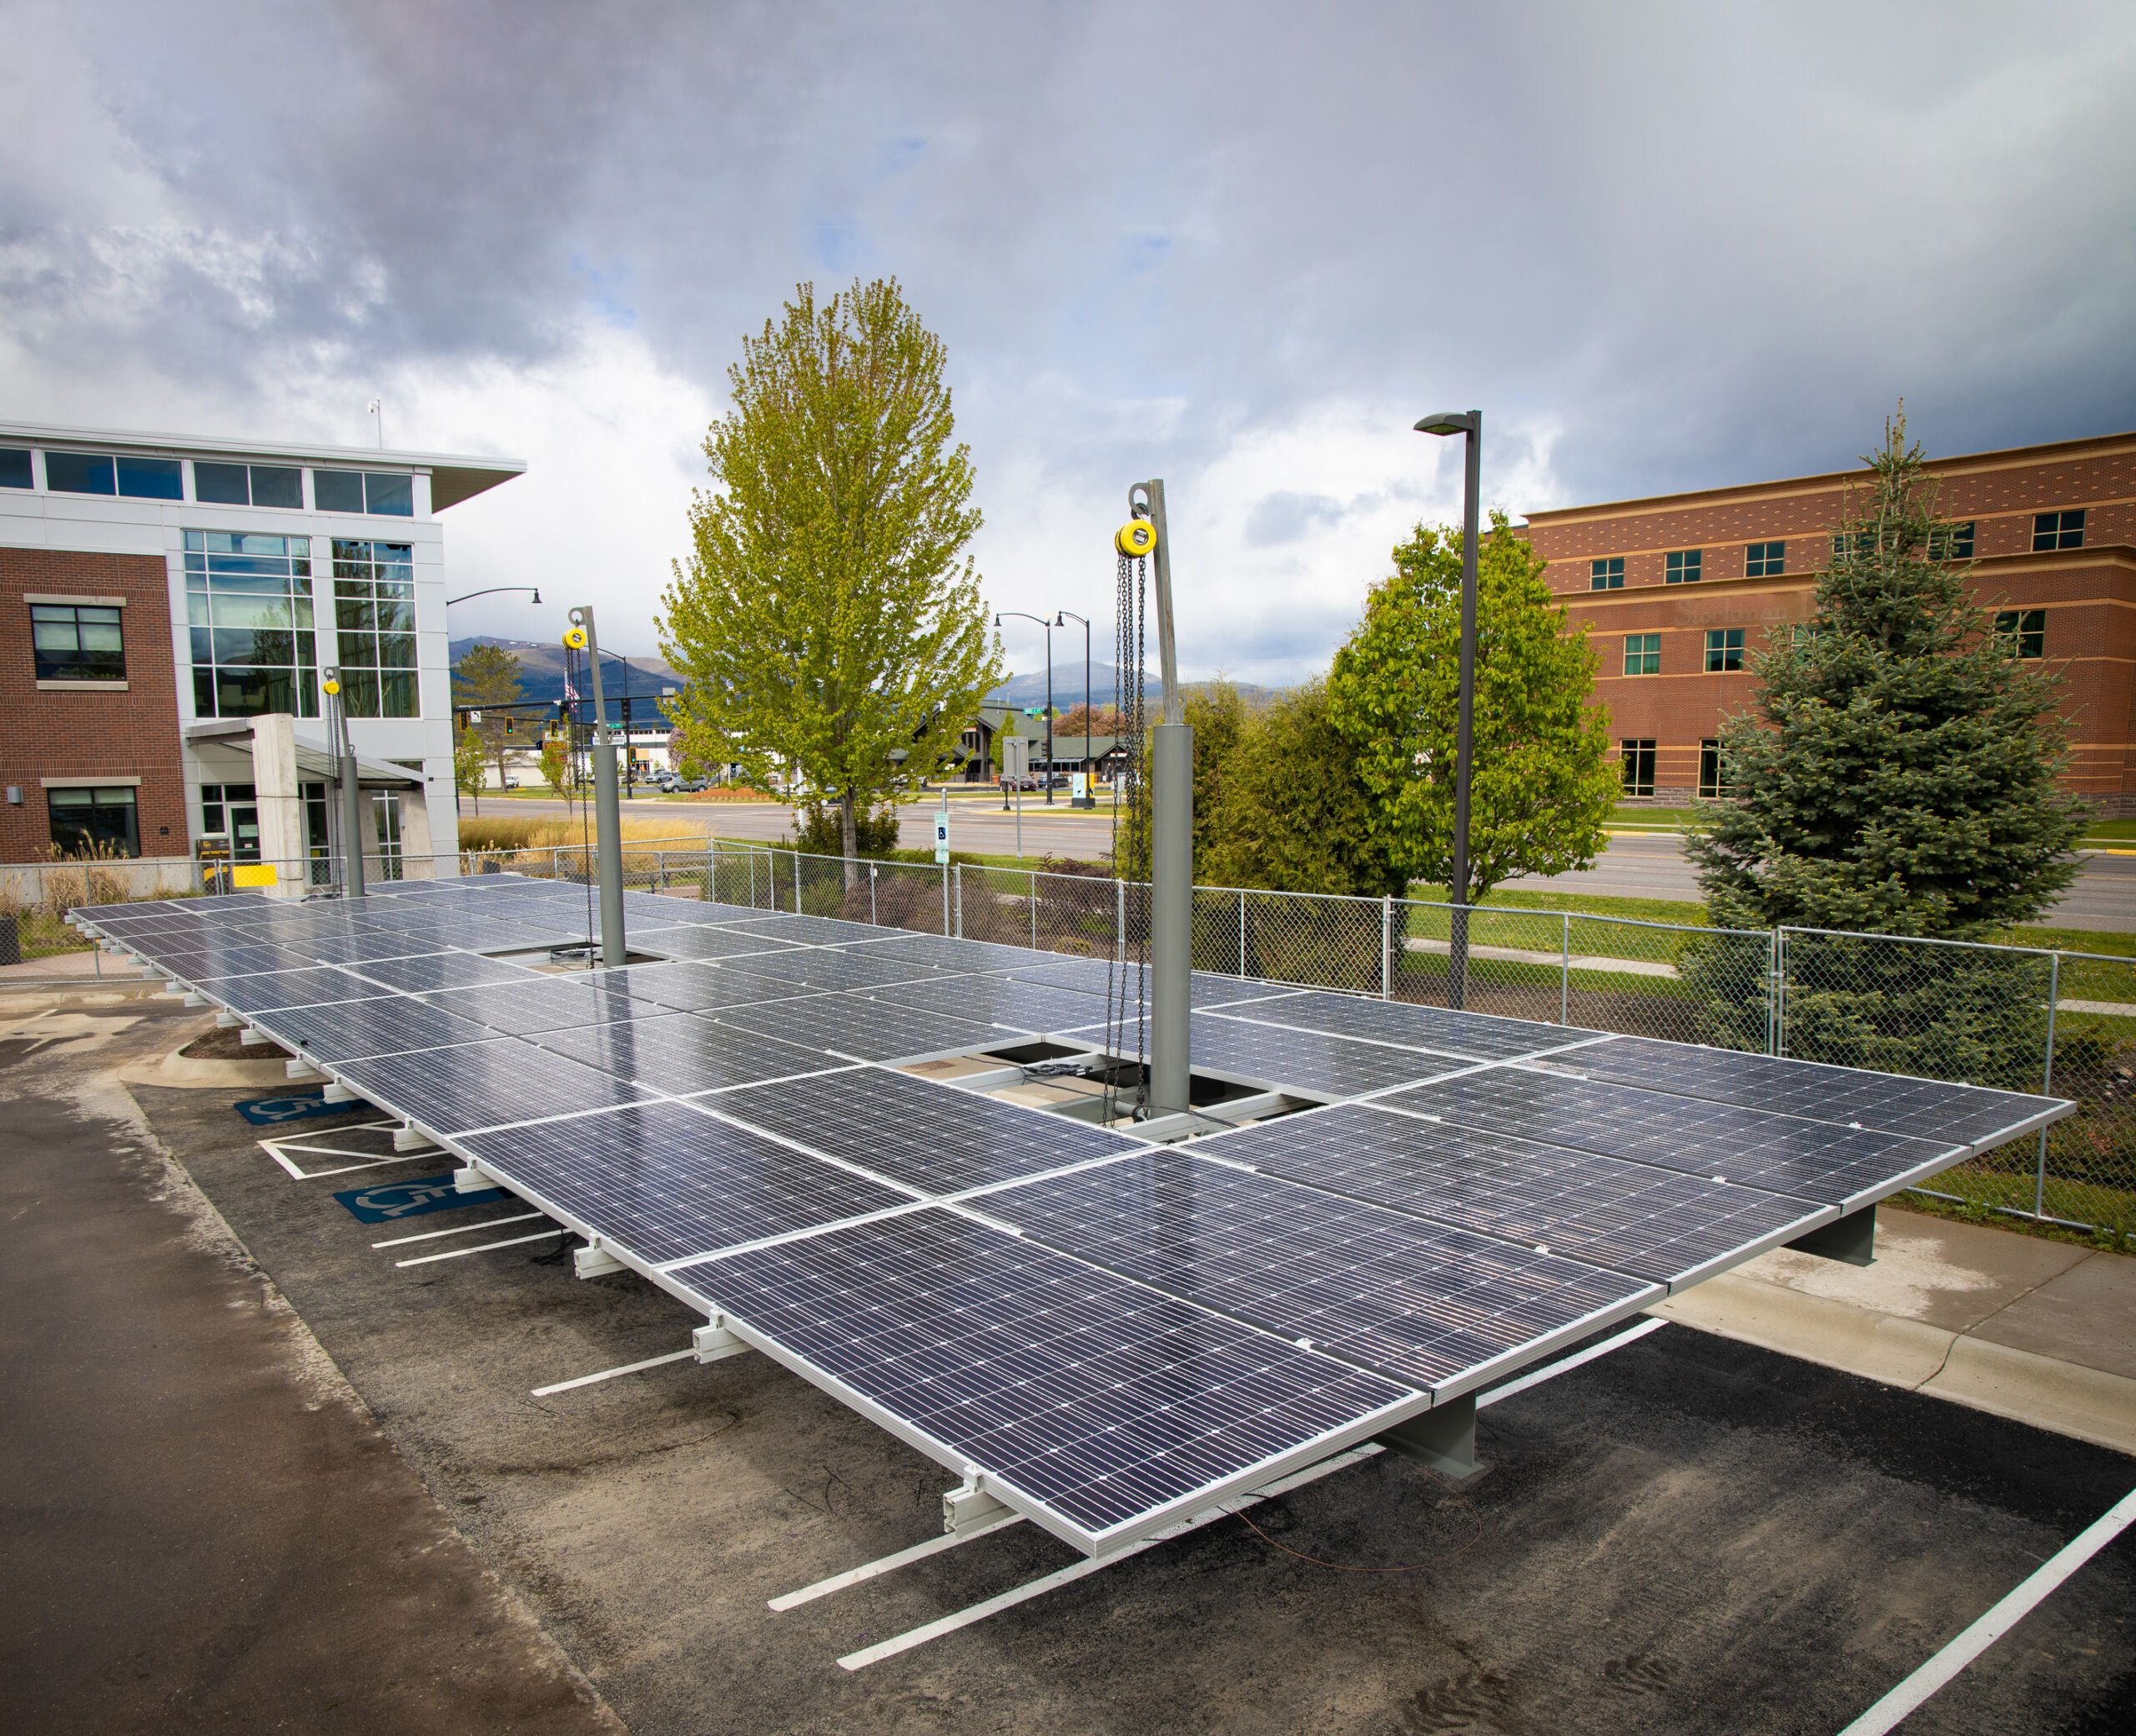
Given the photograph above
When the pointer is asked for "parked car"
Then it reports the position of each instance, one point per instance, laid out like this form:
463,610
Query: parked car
691,786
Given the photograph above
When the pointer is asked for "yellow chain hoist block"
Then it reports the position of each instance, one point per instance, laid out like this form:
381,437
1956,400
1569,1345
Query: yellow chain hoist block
332,687
575,638
1137,536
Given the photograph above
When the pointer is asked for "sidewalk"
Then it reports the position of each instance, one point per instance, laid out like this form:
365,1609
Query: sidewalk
2041,1331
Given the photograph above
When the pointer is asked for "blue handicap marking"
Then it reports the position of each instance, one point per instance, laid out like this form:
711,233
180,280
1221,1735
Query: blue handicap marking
391,1201
267,1111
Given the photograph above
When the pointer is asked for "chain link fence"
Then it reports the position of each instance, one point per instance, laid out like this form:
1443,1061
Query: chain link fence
2018,1018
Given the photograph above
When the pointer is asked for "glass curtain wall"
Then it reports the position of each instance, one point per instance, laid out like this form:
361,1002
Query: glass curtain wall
248,604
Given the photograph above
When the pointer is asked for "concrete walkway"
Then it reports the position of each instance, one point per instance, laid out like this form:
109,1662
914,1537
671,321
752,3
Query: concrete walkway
2041,1331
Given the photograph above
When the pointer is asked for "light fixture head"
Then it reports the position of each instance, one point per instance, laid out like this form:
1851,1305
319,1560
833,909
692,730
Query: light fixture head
1448,421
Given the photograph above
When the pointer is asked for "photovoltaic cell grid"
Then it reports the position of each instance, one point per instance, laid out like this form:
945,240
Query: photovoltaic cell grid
1426,1305
1626,1217
920,1135
669,1183
1926,1108
1108,1403
1387,1238
1779,1154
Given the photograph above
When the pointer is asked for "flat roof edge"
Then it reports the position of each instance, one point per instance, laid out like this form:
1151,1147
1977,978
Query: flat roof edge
2053,449
52,433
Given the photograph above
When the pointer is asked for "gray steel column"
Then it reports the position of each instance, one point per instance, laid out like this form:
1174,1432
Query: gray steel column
349,796
608,813
1465,727
1171,854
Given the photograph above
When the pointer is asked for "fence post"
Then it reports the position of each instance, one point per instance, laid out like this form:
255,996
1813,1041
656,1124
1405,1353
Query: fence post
1119,920
945,898
1386,946
1777,1000
1564,969
1242,931
957,873
2047,1080
872,869
796,855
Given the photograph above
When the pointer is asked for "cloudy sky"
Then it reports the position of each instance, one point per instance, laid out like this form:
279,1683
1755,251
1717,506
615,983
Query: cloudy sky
1239,246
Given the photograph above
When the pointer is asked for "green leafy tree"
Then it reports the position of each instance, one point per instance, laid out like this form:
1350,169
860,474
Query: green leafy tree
1292,813
1218,714
1541,787
558,770
829,619
1896,775
470,758
488,677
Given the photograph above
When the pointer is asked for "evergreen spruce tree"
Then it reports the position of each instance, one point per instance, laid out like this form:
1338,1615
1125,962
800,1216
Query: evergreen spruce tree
1897,776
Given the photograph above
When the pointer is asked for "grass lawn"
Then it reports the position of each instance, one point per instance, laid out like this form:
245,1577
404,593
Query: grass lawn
1645,910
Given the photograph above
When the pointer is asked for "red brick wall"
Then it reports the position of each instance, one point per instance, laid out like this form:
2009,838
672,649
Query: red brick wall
133,734
2089,595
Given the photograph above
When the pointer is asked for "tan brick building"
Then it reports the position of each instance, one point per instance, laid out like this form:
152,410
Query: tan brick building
1679,588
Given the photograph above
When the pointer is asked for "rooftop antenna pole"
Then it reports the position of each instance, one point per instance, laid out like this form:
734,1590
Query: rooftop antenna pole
377,408
607,812
1171,843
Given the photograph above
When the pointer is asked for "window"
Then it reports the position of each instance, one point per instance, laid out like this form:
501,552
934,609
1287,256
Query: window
2059,530
15,468
1709,784
1950,542
386,864
93,821
97,473
1724,650
2024,631
1607,574
1846,545
78,643
1642,653
375,627
1804,632
1638,767
1764,560
248,484
247,605
363,491
1684,566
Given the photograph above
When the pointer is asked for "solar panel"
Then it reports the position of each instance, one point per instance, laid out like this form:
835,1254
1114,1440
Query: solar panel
1781,1154
1650,1223
304,988
368,947
443,970
1097,1407
821,969
949,953
667,1182
348,1030
1434,1307
1473,1036
691,988
484,1084
807,930
1927,1108
545,1004
679,1053
922,1135
695,941
1303,1063
216,958
1031,1007
865,1030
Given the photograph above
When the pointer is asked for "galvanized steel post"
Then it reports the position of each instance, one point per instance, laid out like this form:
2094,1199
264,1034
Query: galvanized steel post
1171,846
607,811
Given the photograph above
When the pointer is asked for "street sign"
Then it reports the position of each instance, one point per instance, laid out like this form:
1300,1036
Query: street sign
941,837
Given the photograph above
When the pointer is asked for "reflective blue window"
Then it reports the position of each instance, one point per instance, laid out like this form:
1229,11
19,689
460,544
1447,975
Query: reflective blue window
79,473
152,479
15,468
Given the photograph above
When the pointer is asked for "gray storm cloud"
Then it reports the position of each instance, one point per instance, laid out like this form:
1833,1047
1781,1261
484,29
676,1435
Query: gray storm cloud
1242,246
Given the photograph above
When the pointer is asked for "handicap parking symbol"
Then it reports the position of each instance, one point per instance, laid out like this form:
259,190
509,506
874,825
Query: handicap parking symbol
267,1111
391,1201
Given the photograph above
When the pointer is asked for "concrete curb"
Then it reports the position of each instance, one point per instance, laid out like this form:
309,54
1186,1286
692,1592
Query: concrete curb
2066,1398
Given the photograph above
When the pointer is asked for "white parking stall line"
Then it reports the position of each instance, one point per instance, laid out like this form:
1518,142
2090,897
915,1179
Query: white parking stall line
483,1248
1888,1713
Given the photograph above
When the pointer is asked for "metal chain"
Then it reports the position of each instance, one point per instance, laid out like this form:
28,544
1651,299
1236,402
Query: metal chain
1130,842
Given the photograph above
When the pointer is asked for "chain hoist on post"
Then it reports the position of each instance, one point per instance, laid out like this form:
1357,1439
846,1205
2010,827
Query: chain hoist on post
607,812
350,793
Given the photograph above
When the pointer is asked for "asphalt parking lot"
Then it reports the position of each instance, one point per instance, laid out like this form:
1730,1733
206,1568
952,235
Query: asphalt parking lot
1689,1535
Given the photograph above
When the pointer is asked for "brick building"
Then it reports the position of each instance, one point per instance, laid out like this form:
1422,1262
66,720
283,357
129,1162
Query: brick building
160,593
1677,588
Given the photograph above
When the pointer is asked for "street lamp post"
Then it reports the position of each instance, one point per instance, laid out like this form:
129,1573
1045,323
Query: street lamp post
1020,615
1061,617
1470,424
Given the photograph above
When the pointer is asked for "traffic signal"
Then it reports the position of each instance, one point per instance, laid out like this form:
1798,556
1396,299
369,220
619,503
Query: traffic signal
511,726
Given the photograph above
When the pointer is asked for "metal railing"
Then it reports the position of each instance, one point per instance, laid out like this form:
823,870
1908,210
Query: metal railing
2017,1018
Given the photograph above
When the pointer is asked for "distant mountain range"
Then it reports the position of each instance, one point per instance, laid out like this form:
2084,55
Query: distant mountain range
543,676
543,679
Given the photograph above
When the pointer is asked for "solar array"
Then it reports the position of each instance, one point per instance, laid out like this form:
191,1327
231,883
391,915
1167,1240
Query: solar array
1110,1333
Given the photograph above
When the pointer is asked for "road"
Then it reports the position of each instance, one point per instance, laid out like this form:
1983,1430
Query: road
1635,866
